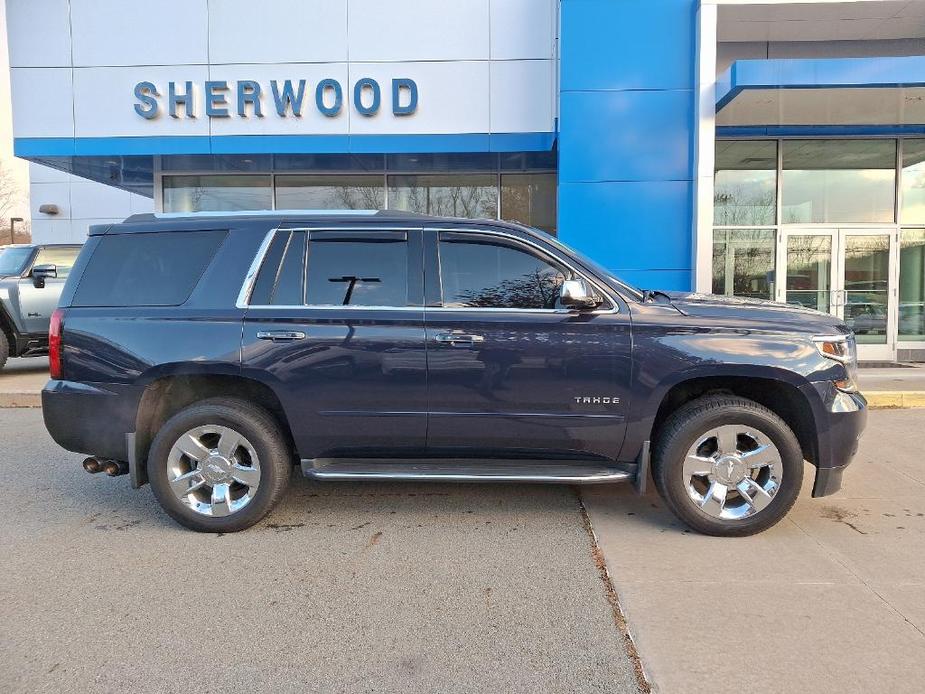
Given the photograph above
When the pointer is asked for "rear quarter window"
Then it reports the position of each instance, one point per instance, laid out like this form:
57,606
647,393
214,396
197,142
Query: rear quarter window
157,269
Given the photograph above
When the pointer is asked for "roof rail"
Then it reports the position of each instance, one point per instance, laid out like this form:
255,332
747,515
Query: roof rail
148,216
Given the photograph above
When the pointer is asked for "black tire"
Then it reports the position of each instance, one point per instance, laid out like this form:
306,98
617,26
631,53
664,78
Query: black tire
4,349
259,427
681,431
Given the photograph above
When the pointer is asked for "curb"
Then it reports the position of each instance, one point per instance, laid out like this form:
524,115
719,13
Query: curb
20,400
895,399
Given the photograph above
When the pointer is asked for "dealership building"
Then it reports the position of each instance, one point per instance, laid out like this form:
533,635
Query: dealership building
772,150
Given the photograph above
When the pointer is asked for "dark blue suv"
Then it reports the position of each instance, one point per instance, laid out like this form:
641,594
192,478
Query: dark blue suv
210,354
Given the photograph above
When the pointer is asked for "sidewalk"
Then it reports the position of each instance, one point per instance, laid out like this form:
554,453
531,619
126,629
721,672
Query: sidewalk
21,382
832,599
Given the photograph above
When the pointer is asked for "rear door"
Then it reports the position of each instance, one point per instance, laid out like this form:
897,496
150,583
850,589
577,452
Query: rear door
37,303
335,325
510,371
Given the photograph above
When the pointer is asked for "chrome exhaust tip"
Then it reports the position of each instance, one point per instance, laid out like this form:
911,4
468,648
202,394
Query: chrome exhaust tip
114,468
92,465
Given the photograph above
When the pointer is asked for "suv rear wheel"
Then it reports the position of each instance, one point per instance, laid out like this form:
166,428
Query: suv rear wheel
727,466
219,465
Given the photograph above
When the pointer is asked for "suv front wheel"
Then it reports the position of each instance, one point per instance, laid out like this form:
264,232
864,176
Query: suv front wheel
219,465
728,466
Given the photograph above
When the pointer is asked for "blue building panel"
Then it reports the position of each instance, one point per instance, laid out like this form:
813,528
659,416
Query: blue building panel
626,133
626,136
631,227
627,44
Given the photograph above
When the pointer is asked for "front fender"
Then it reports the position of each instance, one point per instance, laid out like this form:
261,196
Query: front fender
9,307
665,359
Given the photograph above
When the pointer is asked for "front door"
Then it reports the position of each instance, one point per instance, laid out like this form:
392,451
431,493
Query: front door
511,373
848,273
335,326
37,303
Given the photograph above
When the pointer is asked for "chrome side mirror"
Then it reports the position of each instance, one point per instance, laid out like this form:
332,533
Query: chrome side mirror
576,294
40,273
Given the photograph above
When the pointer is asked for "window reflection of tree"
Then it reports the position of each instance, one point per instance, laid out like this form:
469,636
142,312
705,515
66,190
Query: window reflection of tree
753,261
454,201
538,289
358,198
741,205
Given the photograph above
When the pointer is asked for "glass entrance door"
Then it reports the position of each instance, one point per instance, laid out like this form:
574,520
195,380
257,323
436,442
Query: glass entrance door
850,273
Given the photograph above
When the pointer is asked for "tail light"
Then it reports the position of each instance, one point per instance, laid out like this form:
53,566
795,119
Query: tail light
54,343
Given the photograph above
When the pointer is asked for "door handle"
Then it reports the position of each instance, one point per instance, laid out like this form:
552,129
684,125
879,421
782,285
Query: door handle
280,335
458,339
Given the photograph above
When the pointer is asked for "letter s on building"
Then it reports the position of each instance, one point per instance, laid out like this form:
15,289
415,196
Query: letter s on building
147,105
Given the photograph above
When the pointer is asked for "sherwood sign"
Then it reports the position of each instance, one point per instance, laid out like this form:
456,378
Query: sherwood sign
251,99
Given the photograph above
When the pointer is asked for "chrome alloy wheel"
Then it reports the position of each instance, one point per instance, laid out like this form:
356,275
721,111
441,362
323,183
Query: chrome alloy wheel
214,470
732,472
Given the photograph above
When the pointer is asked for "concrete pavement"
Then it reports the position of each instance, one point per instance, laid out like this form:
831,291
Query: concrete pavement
830,600
344,588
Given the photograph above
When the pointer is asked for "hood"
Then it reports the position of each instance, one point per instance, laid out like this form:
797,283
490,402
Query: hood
745,311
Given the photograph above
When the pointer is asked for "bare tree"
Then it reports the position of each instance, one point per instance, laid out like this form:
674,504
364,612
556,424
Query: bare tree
11,197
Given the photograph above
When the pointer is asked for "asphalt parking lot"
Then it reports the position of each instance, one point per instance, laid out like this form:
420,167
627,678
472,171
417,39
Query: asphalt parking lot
344,588
470,588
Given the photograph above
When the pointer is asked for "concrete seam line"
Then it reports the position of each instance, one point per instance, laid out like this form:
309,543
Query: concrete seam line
611,594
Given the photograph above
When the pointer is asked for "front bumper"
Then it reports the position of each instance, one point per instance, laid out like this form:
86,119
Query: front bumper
840,421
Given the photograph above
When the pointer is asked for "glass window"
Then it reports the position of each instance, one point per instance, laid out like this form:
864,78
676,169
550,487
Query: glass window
158,269
745,183
282,275
312,192
913,182
329,162
494,274
217,162
838,181
529,199
743,262
474,196
809,271
216,193
867,265
358,269
458,161
912,285
62,257
13,260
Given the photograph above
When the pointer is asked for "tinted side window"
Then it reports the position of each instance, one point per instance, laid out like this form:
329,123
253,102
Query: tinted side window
63,258
282,275
486,273
158,269
357,269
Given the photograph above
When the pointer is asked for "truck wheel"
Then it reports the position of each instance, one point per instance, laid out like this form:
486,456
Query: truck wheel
219,466
727,466
4,349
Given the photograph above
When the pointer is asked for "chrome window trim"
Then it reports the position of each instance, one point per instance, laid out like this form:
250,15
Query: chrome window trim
615,305
248,286
251,276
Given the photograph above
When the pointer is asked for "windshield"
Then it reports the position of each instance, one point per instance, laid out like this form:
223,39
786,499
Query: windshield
12,260
594,266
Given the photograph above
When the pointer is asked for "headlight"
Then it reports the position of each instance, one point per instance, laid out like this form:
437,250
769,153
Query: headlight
843,349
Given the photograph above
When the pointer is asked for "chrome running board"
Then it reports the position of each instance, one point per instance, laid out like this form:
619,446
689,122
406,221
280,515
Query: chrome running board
468,470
